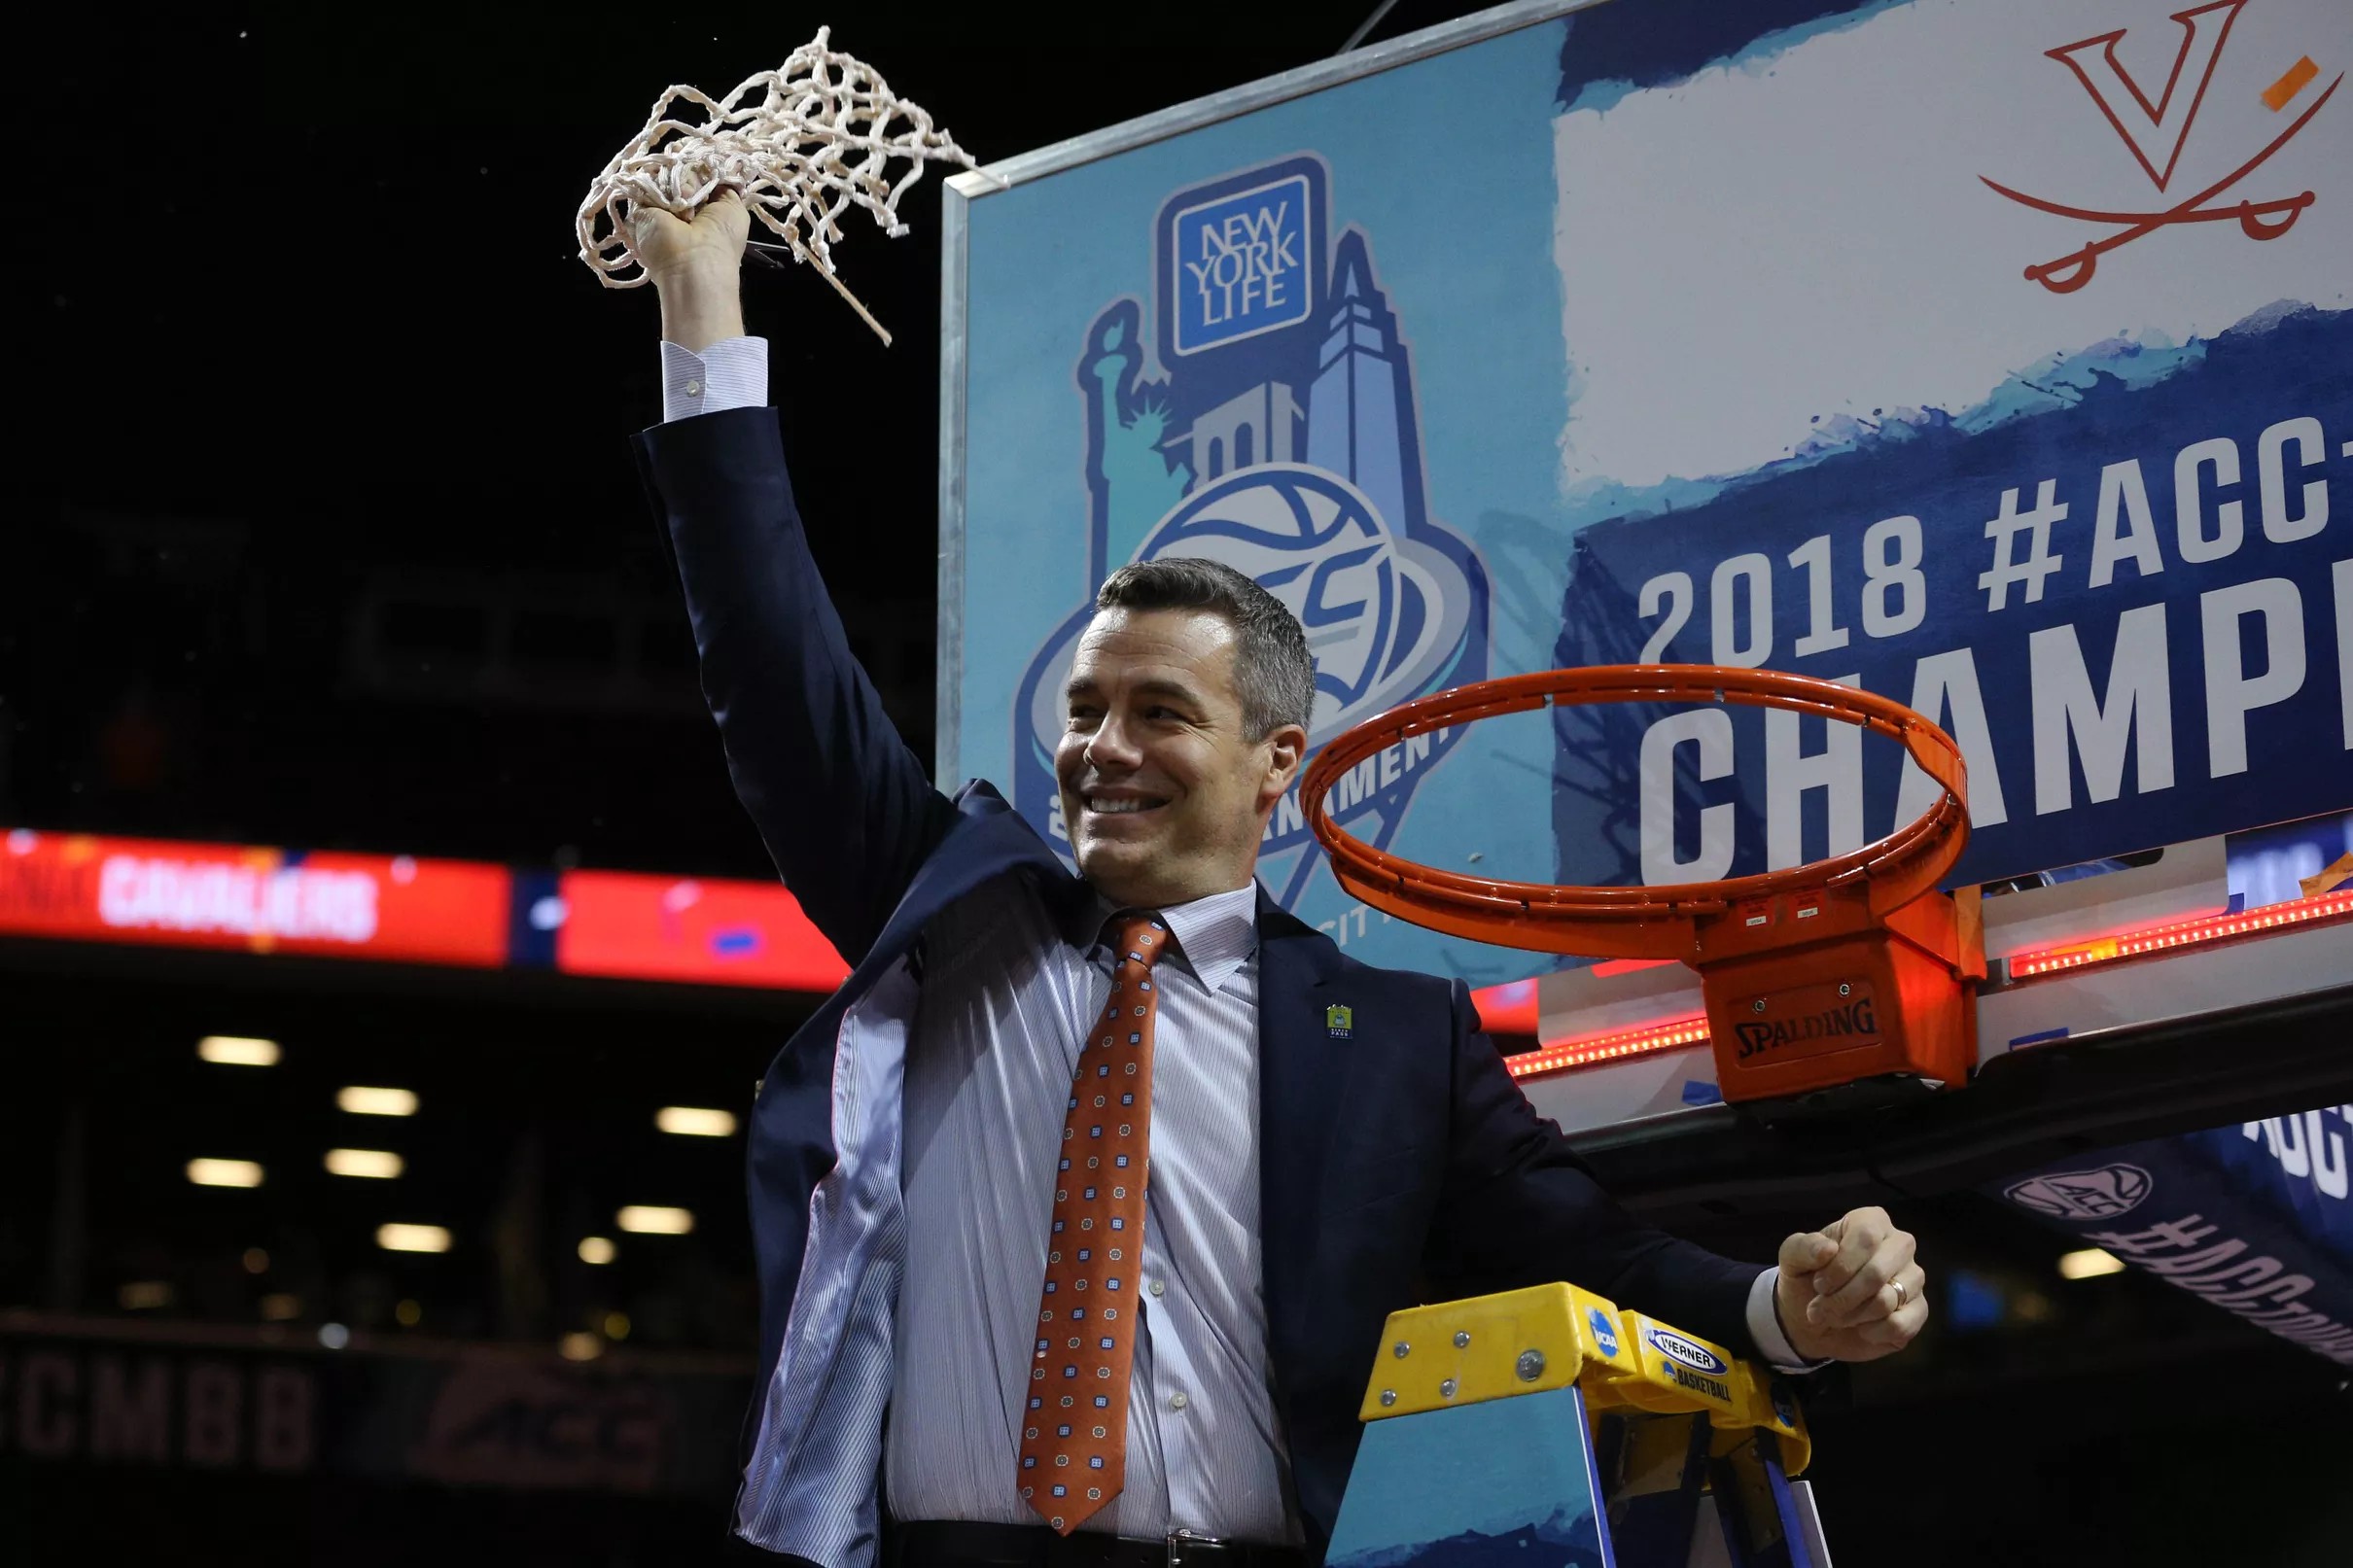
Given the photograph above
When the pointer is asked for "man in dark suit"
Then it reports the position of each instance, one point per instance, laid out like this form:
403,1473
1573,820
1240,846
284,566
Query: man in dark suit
1075,1178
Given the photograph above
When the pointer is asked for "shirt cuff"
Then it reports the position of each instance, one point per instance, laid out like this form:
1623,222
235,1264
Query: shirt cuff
1765,1327
730,374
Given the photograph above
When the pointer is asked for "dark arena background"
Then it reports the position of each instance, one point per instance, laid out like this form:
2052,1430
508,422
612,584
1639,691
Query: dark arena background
325,534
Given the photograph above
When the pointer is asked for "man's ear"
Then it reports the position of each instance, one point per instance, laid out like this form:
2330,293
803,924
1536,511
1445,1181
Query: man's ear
1287,749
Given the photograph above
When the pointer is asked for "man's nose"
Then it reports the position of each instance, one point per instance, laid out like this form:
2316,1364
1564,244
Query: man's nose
1110,745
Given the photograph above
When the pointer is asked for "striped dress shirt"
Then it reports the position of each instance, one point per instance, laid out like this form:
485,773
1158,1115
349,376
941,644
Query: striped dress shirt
1007,993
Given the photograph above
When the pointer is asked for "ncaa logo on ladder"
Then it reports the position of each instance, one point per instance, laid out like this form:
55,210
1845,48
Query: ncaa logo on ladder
1606,1332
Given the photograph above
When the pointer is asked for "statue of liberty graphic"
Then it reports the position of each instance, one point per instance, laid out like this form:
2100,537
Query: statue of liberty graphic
1281,439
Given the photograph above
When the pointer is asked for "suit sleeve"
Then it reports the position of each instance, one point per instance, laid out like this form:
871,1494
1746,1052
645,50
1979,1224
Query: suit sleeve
1519,1208
845,808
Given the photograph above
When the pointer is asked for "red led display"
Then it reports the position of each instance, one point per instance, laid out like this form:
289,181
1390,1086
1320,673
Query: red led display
699,930
251,900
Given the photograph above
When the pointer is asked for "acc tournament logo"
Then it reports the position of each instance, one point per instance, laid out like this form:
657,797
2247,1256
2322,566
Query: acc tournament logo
1270,425
2153,119
2084,1195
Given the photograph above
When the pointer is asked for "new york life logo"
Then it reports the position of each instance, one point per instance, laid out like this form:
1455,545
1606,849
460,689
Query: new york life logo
1267,421
1241,264
2154,120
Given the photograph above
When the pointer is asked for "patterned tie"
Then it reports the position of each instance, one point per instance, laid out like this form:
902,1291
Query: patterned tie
1074,1443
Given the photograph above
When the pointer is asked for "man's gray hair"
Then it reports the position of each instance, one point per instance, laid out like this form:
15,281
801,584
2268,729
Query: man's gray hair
1274,674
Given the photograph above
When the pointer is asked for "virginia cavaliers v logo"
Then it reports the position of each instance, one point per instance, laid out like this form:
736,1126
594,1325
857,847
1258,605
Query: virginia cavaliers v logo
2155,129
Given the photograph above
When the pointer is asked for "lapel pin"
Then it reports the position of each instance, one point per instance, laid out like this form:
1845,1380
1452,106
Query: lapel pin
1339,1022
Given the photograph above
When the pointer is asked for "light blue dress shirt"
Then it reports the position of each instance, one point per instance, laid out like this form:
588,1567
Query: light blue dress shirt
1007,995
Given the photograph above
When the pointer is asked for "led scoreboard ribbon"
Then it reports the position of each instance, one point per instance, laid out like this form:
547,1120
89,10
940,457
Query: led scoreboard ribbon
254,899
406,909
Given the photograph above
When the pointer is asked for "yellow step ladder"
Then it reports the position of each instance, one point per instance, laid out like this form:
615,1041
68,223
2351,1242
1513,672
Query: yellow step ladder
1550,1420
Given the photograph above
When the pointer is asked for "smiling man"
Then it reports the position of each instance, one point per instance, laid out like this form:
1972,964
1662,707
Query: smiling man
1187,719
1077,1220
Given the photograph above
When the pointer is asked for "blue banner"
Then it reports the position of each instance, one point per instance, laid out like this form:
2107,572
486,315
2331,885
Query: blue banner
2294,1166
2130,609
1946,348
2255,1219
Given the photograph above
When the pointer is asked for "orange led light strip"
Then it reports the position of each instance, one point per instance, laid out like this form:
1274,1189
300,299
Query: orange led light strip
1586,1050
2183,933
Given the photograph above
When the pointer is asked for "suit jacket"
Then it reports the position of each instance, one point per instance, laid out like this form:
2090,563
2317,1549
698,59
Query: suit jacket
1398,1165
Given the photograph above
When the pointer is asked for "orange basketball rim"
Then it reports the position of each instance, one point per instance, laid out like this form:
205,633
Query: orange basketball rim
1816,975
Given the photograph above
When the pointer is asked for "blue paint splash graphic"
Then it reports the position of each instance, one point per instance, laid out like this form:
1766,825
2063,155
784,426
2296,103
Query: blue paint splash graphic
1612,52
2058,381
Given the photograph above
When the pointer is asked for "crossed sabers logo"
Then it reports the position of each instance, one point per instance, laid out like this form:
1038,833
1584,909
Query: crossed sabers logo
2158,129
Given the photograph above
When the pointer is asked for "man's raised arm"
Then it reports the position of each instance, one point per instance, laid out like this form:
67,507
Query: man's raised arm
845,808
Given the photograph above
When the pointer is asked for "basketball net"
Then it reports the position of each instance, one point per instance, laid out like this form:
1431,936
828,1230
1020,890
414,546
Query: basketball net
801,145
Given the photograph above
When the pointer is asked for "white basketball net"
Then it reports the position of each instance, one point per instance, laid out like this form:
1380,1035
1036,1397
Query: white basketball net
800,144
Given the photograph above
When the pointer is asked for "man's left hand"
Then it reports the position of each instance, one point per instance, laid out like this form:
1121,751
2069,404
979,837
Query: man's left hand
1851,1290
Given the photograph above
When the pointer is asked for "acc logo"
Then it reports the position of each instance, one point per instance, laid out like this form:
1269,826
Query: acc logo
2084,1195
1318,544
1281,441
1676,1348
1606,1332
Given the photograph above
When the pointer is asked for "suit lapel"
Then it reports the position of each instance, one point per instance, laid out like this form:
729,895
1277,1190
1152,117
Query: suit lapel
1302,1083
988,840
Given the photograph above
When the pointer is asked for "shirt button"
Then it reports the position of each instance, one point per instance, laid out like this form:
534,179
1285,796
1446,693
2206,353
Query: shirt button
694,389
1178,1402
1160,1287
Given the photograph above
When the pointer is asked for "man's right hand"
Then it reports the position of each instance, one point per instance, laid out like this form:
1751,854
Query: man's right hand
695,263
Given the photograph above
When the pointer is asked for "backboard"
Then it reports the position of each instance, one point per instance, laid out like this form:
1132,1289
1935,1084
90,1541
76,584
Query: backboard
1995,358
1991,358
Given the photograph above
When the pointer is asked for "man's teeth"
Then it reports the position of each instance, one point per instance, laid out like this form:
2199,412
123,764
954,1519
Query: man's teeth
1109,807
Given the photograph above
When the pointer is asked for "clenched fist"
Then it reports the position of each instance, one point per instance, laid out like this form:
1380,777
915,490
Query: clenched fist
694,263
711,239
1851,1291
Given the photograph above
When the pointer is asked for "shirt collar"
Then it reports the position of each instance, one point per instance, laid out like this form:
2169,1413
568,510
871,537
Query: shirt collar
1215,935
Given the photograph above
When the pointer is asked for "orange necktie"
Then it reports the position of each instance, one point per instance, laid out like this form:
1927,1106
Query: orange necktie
1075,1441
